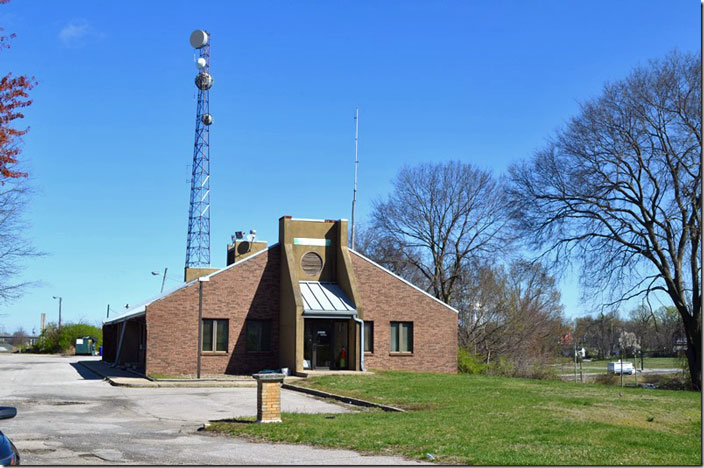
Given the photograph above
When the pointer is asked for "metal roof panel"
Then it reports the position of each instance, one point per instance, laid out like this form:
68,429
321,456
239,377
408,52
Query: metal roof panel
328,298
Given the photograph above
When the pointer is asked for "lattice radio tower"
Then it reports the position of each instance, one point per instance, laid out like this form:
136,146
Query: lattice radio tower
198,243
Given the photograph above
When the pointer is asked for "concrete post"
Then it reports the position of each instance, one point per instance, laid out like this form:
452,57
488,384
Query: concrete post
269,397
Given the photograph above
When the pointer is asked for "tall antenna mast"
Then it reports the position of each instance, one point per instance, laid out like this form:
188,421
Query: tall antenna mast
356,163
198,242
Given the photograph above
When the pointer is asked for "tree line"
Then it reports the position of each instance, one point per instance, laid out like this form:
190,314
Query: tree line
658,332
616,194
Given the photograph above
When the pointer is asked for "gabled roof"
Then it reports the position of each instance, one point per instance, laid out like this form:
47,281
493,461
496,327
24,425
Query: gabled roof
325,299
401,279
140,309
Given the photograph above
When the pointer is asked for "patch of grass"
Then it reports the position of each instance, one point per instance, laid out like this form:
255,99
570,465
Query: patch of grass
156,376
473,419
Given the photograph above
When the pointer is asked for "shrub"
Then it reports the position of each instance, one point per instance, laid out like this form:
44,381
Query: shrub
53,341
608,379
676,381
469,363
503,367
536,368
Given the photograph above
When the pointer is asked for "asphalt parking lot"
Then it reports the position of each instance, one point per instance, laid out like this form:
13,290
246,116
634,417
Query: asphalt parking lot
68,415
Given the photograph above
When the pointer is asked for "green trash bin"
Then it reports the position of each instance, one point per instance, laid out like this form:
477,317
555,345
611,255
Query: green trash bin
85,345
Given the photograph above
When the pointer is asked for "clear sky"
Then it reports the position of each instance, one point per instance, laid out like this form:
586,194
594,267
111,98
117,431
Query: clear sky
113,120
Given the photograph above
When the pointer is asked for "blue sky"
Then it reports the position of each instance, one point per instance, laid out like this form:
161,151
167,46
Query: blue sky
112,124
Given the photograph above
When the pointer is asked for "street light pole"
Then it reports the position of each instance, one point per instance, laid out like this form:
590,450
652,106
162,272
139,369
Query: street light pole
60,299
163,281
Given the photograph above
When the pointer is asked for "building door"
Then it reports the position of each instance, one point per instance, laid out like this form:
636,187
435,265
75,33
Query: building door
324,341
322,338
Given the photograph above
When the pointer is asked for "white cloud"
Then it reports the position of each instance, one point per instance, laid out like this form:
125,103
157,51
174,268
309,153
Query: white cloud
76,32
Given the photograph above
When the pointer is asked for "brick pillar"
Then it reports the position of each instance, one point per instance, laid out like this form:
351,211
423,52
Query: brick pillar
269,397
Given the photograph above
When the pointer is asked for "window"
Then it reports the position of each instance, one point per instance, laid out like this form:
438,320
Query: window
214,335
258,336
369,337
401,337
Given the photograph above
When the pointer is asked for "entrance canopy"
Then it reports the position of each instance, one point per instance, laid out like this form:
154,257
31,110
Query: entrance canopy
325,300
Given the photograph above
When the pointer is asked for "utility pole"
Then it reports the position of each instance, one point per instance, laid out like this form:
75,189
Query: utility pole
620,353
574,342
356,163
60,299
575,360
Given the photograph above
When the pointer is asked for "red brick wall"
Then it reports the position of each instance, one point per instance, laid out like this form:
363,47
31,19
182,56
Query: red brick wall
386,298
249,290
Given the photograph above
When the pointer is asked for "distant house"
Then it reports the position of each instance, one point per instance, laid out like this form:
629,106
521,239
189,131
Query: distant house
306,303
679,344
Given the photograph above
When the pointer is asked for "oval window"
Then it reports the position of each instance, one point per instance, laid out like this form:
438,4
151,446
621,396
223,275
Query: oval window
311,263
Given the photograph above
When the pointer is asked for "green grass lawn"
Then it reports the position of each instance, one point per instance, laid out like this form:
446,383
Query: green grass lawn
497,420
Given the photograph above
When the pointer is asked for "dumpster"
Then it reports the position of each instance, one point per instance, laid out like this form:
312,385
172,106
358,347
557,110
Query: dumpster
86,345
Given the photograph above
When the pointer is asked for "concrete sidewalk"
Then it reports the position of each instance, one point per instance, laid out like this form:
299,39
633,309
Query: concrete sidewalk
122,378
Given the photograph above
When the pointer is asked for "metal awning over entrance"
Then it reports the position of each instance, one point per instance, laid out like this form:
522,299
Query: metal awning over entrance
325,300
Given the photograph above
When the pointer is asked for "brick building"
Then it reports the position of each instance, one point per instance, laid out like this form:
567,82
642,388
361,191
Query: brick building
308,302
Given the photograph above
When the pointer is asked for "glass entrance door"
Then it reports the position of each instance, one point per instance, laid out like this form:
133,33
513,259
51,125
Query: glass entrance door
322,337
325,344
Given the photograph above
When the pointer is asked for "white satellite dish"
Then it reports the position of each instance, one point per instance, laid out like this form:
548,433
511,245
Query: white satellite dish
199,38
200,63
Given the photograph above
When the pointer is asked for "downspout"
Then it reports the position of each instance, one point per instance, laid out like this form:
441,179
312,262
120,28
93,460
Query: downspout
361,341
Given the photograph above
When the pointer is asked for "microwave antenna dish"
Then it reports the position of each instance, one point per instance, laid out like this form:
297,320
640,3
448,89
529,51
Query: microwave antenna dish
199,39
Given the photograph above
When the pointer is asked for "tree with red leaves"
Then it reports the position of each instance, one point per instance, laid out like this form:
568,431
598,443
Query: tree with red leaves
14,97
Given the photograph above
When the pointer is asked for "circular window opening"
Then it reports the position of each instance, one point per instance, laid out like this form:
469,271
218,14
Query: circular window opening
311,263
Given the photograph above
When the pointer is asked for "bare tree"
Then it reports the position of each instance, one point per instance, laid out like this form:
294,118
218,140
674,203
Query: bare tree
620,190
668,330
19,338
439,219
642,323
387,252
14,98
514,313
600,333
13,244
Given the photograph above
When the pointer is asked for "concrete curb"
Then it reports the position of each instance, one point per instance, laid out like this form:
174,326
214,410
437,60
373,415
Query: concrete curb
141,381
344,399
